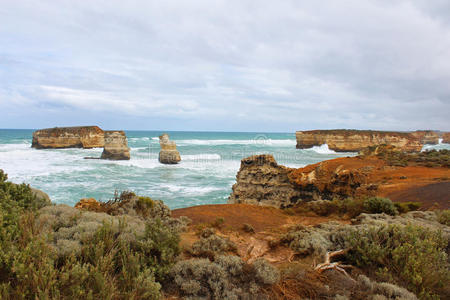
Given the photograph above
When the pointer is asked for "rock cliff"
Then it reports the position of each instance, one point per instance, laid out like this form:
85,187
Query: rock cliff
342,140
427,136
169,153
262,181
446,137
68,137
116,146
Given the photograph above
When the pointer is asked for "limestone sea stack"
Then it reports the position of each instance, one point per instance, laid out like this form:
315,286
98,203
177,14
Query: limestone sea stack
68,137
343,140
169,153
116,146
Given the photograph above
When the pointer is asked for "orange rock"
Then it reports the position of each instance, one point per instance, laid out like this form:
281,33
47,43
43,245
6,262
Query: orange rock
262,181
446,137
343,140
89,204
68,137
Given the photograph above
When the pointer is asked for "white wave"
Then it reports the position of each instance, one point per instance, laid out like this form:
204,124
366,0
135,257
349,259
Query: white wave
322,149
155,138
257,141
8,147
22,162
200,157
139,139
140,163
440,141
189,190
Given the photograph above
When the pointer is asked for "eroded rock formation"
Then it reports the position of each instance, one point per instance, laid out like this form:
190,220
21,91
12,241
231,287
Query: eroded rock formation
68,137
116,146
262,181
169,153
427,136
446,137
343,140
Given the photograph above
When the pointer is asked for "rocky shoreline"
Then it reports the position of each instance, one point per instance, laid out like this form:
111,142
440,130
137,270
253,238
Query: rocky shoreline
262,181
317,232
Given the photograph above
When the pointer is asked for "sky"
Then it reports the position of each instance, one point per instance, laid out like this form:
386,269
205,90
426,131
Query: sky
228,65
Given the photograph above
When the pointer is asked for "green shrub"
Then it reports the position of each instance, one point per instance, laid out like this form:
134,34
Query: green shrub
218,223
227,277
144,205
317,240
378,205
349,206
211,245
383,290
404,207
444,217
430,158
409,255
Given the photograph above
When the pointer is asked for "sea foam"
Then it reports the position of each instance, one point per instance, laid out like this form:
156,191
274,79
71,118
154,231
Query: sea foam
322,149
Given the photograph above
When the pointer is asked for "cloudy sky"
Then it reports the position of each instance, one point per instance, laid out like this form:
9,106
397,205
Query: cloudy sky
225,65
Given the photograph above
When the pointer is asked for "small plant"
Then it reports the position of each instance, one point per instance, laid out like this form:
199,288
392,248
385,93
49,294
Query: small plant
248,228
212,245
404,207
218,223
378,205
144,205
444,217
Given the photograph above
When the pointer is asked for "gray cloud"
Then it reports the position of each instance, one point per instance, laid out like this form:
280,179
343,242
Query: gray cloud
225,65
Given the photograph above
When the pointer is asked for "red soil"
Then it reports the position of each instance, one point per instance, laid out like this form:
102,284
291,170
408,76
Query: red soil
262,218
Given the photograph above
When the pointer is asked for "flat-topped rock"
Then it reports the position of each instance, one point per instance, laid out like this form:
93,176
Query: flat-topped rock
68,137
343,140
116,146
169,153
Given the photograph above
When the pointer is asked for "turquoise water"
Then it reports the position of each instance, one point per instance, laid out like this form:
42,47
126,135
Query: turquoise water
210,161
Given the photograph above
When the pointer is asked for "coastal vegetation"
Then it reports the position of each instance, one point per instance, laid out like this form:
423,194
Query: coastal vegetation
133,247
430,158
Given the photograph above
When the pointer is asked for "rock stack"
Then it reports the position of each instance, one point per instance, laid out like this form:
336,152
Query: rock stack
68,137
116,146
169,153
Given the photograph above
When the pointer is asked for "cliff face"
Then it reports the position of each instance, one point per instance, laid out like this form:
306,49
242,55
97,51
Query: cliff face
427,136
446,137
262,181
116,146
68,137
354,140
169,153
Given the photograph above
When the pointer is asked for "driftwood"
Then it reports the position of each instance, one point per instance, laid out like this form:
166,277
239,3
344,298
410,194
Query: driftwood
338,266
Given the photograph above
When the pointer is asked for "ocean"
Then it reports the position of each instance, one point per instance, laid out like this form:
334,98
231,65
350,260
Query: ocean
210,161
